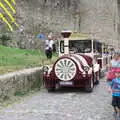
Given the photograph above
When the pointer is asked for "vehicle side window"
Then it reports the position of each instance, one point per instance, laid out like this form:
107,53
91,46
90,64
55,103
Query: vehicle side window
62,46
97,47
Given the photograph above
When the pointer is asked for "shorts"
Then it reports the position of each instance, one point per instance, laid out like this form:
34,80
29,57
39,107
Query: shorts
116,101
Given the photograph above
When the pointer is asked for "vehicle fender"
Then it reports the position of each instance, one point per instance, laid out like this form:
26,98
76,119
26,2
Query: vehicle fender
90,70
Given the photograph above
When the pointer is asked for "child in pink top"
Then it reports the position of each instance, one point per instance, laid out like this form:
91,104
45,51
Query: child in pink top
114,67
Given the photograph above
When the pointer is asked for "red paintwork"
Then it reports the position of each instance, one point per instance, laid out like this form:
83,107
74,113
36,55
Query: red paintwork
78,81
88,59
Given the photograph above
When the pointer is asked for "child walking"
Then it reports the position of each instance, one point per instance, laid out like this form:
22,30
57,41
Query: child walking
114,88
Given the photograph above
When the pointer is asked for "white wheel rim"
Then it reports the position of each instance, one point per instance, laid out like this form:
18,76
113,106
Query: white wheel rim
65,69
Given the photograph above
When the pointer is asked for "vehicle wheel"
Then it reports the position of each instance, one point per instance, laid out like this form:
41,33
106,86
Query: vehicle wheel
97,78
89,85
52,89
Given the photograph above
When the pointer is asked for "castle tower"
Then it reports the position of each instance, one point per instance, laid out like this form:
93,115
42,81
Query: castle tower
100,18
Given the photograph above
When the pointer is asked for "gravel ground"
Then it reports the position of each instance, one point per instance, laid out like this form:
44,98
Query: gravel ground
65,103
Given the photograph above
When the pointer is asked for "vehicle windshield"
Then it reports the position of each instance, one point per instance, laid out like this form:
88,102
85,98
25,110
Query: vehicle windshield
80,46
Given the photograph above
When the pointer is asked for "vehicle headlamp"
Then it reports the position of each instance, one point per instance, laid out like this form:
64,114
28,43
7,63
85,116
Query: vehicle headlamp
86,68
45,68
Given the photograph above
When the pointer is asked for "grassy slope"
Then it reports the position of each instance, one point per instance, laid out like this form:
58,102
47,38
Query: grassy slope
12,59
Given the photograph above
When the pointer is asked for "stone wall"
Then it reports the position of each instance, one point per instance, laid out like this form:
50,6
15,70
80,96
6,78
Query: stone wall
43,16
47,15
100,18
19,82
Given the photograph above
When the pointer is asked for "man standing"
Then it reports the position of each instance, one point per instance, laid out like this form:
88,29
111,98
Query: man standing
49,47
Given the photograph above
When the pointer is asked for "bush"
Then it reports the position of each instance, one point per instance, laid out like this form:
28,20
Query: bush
4,38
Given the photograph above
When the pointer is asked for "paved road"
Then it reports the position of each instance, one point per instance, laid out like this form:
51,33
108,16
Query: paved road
65,104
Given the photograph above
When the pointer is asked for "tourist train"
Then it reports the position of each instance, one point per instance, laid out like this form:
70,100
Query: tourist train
81,63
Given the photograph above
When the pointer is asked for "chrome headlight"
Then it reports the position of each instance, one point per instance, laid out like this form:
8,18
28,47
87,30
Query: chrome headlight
86,68
45,68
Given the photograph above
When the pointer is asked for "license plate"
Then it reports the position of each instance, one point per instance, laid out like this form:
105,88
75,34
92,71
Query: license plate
66,83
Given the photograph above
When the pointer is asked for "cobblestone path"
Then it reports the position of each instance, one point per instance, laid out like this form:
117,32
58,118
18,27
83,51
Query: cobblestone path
64,104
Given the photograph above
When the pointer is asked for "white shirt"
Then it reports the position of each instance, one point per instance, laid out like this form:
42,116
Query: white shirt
49,44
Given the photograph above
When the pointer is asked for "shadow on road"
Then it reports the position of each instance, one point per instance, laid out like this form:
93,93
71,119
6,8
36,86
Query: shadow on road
69,90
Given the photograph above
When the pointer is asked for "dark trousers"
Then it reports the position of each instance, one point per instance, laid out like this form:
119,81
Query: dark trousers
49,54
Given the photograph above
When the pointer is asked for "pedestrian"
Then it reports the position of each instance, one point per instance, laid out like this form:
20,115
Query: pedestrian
41,36
115,62
49,47
113,67
114,89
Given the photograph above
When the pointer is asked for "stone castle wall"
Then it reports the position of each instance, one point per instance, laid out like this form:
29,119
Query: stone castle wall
98,18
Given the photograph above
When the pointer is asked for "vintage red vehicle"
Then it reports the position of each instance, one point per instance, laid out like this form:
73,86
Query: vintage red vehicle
77,65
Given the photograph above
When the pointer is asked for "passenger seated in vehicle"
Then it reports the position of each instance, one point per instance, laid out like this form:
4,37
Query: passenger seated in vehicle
73,50
79,50
87,50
